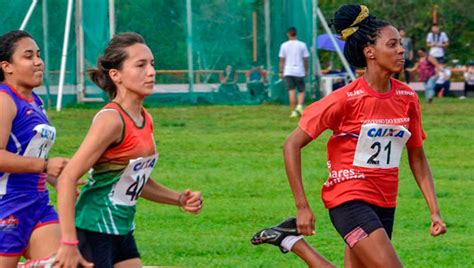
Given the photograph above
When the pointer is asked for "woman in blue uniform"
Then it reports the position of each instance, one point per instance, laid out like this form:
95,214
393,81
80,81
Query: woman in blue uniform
27,219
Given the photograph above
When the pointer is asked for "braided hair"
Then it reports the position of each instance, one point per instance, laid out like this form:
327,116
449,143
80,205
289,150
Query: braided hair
364,35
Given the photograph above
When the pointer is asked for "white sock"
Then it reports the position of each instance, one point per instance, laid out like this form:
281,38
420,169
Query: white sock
299,106
289,241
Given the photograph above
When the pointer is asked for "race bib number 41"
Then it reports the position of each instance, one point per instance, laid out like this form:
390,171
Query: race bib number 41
380,146
128,189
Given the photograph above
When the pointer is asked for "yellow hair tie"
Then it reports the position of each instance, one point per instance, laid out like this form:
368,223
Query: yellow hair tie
364,13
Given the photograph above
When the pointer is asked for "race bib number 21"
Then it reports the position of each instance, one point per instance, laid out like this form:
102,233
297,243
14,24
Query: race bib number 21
380,146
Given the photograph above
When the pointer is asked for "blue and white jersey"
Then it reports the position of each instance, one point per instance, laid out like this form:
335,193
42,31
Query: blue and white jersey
31,135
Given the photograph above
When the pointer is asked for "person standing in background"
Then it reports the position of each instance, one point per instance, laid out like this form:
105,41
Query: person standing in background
294,68
437,42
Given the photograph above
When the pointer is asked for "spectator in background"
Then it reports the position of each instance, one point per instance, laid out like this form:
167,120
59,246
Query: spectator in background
468,78
443,82
294,68
426,67
256,79
228,75
437,41
229,87
256,74
407,45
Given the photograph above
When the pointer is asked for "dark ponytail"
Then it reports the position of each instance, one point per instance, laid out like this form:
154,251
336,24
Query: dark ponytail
113,58
7,46
366,33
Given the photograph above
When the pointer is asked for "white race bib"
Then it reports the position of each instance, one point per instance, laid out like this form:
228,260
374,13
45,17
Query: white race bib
380,146
129,187
41,142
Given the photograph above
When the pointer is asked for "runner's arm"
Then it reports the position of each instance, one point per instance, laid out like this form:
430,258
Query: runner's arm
188,200
104,131
292,153
422,173
158,193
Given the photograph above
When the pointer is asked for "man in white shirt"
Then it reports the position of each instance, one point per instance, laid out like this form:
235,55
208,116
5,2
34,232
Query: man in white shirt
294,68
437,41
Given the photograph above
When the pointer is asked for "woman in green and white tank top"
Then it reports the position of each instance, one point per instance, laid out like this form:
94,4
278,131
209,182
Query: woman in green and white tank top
120,149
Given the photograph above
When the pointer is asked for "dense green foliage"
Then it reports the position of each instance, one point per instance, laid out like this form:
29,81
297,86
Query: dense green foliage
415,16
233,155
222,30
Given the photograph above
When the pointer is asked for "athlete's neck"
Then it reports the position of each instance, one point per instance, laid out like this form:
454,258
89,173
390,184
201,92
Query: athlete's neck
133,106
24,91
378,80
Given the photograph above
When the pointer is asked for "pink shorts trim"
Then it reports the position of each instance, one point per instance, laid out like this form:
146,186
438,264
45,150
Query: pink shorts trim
45,223
355,236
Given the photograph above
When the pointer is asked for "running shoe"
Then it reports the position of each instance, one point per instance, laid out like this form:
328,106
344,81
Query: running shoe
274,235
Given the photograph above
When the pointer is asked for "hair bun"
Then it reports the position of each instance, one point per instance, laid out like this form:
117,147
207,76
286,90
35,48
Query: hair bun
345,16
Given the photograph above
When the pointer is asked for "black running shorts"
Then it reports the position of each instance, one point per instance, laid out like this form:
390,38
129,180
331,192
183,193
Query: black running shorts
105,250
355,220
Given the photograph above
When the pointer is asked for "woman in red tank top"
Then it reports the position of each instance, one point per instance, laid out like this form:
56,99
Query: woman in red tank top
120,146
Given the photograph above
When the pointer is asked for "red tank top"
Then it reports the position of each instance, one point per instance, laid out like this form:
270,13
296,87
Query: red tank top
426,68
137,141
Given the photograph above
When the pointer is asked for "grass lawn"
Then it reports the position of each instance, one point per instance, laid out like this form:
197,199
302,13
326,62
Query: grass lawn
233,155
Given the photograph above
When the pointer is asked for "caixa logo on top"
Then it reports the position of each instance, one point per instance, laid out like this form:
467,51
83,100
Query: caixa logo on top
385,132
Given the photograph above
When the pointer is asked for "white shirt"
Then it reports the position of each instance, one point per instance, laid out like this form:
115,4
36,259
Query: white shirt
443,76
469,78
438,40
294,51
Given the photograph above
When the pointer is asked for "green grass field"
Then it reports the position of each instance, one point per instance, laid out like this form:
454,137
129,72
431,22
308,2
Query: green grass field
233,155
